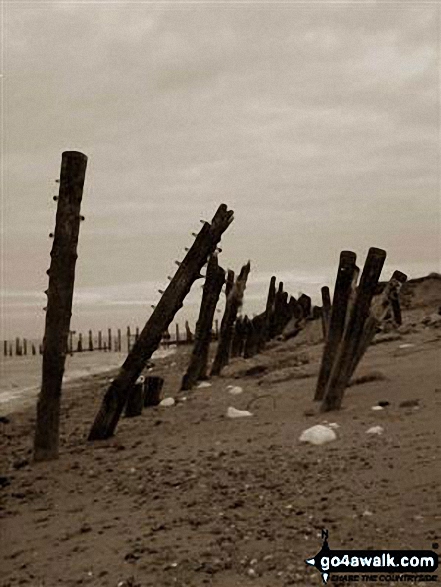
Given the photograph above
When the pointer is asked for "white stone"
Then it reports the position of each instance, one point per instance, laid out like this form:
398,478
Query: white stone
235,390
318,435
377,408
375,430
167,402
204,384
233,413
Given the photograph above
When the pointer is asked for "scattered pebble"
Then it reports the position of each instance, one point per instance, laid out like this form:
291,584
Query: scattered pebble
377,408
375,430
203,384
318,435
406,345
234,389
167,402
233,413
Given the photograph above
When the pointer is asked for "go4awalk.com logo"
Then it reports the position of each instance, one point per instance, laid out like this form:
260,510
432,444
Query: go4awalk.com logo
372,566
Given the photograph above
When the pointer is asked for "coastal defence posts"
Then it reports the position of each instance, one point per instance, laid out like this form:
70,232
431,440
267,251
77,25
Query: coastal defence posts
59,302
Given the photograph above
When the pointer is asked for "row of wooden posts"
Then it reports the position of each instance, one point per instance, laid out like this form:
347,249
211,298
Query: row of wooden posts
22,346
349,323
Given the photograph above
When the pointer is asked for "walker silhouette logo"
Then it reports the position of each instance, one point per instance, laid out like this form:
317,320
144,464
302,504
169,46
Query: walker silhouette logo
388,565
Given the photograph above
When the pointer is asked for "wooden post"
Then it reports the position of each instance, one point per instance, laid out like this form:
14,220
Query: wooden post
109,337
269,311
396,308
342,292
188,332
339,377
216,329
80,343
135,399
171,301
25,346
100,340
379,309
326,310
129,346
90,340
178,338
305,302
59,303
238,337
34,350
5,348
136,334
152,390
233,303
40,349
214,280
118,348
18,349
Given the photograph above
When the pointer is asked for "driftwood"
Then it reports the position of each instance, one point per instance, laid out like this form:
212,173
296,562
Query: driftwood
341,368
149,339
342,292
59,303
234,301
197,368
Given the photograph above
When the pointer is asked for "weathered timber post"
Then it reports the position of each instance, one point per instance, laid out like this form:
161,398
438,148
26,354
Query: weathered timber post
305,302
25,346
80,343
188,332
171,301
214,280
109,338
34,350
90,340
118,346
378,311
152,390
340,373
178,337
59,303
269,311
5,348
18,349
337,319
254,337
137,334
135,399
40,349
238,337
396,308
129,346
233,303
326,310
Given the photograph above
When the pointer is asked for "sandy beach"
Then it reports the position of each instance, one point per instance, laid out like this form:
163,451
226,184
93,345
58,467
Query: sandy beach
184,496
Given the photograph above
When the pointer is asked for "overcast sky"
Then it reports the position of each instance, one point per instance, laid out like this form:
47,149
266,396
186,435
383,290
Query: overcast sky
318,123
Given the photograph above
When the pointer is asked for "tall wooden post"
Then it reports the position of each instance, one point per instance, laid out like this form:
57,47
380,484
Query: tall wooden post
90,340
25,346
178,338
109,337
80,343
233,303
59,303
34,350
18,351
100,340
129,345
5,348
339,377
171,301
326,310
342,292
119,340
269,310
197,368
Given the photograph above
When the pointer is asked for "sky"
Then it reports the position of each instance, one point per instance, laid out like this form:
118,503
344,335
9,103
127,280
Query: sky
318,123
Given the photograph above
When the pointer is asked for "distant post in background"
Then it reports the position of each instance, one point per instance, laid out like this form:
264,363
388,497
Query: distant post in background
90,340
109,338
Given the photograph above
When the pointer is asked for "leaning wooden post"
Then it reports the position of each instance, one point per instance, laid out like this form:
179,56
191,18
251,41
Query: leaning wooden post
339,377
149,339
379,309
197,368
326,310
342,292
59,303
233,303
